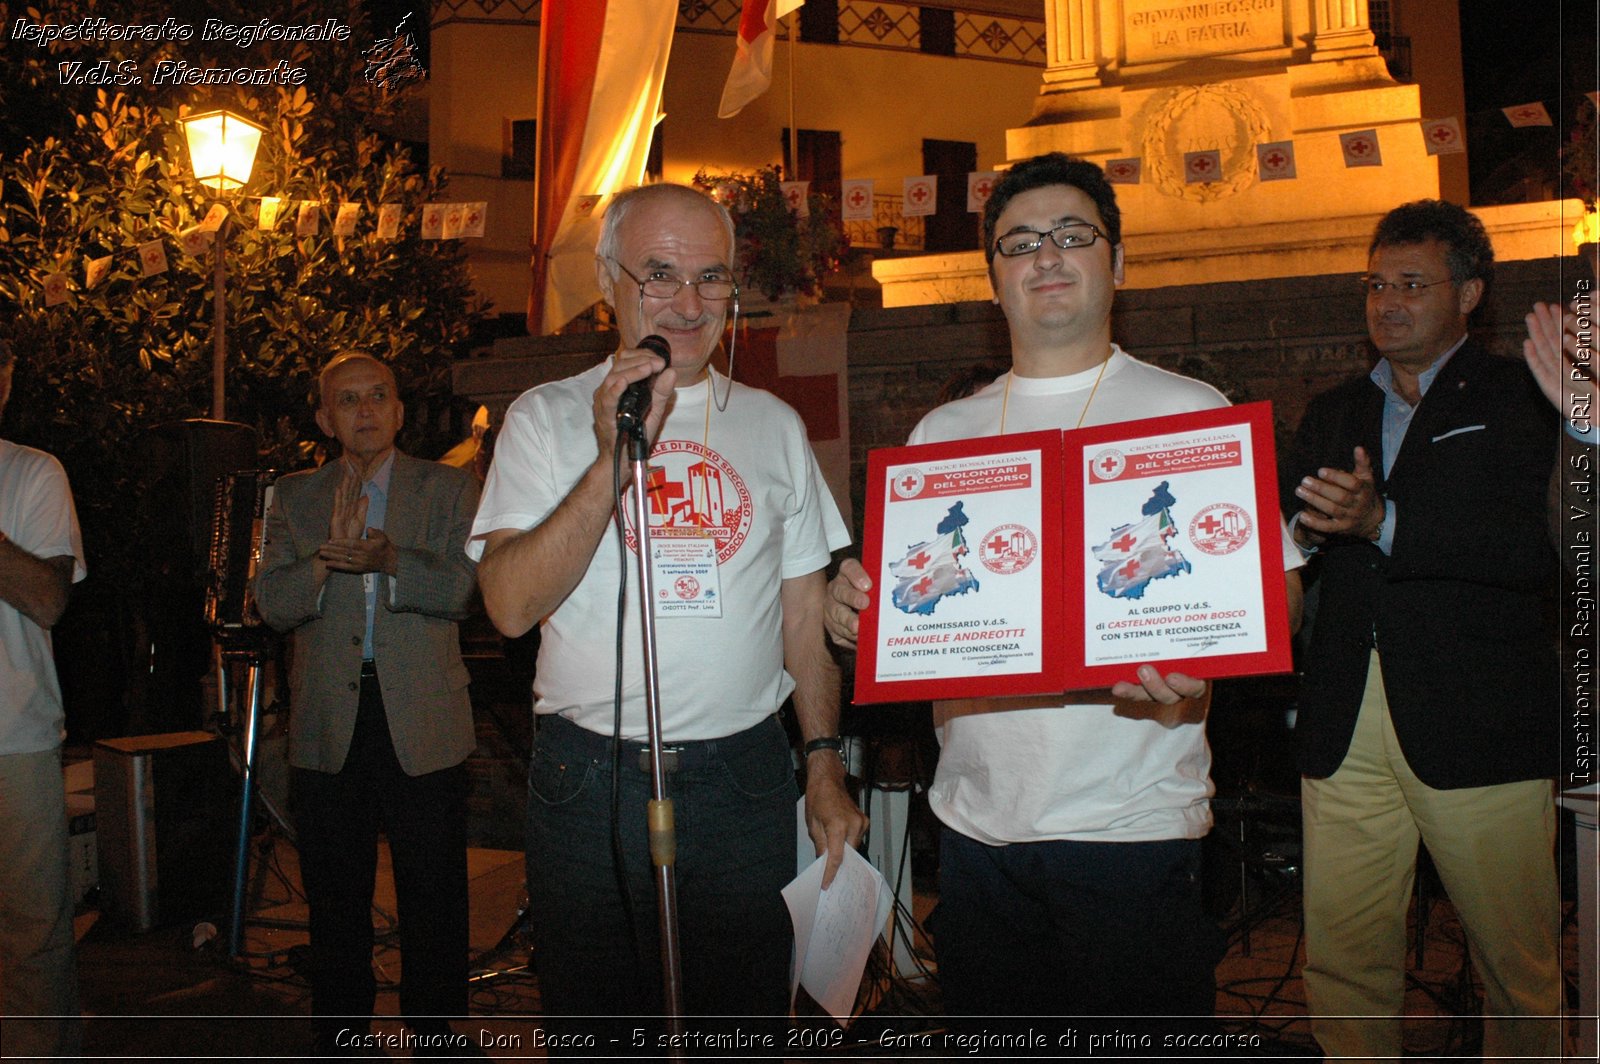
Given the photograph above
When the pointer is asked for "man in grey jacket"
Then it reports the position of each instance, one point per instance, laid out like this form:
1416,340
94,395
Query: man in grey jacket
364,567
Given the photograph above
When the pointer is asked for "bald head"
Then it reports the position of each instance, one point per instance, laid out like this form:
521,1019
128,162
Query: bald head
346,359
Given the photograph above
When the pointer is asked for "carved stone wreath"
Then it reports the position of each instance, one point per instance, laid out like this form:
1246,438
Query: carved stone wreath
1200,118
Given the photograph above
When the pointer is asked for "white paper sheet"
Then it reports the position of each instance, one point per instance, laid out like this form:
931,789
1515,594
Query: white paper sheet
834,930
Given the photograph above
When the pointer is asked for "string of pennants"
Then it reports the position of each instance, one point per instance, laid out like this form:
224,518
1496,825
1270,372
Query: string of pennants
1274,161
440,221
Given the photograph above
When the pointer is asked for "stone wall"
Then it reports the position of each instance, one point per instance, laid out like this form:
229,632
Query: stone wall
1282,340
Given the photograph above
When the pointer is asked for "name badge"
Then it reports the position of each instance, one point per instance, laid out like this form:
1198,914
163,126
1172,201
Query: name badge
686,577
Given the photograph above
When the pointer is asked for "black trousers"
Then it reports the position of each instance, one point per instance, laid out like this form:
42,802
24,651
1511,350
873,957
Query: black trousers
338,818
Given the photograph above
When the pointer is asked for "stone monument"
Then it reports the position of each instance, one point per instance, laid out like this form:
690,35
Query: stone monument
1143,83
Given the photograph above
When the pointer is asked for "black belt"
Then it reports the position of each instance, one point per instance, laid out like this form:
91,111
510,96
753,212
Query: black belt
572,740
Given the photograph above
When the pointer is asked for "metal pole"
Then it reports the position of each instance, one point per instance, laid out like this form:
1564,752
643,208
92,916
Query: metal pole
219,322
794,130
659,813
241,860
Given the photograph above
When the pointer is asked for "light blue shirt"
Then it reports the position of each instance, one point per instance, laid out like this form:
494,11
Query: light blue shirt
377,492
1397,415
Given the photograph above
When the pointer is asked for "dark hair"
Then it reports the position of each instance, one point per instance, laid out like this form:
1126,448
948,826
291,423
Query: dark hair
1468,252
1052,168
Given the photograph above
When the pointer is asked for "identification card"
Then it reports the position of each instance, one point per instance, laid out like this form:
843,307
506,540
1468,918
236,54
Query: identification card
686,577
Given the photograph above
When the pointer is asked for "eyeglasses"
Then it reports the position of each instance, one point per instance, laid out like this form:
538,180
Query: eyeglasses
1065,237
1375,287
710,289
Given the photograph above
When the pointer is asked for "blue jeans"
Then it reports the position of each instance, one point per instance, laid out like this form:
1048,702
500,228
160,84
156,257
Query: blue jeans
734,802
1074,929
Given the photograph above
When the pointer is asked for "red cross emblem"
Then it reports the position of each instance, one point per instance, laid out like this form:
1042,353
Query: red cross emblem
1201,164
793,196
1360,146
922,558
919,192
1209,525
1527,112
983,188
152,257
1108,464
999,544
909,484
474,218
1276,160
923,586
1443,134
1121,170
858,198
1129,569
1125,542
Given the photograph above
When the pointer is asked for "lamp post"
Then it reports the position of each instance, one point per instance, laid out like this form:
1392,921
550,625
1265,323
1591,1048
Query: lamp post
222,150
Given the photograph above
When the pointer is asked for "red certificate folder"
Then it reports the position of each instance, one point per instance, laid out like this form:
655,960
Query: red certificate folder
1054,561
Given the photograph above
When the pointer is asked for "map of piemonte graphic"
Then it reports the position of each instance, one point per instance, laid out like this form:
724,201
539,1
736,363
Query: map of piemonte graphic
931,570
1137,553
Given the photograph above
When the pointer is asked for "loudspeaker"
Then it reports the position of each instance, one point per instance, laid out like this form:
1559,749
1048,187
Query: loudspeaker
164,816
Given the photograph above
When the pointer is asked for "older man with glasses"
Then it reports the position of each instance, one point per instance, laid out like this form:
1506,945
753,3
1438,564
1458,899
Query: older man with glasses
736,497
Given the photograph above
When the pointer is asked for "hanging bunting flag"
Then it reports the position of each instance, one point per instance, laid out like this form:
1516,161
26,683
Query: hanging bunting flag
1361,148
602,66
1527,114
388,221
270,205
797,195
751,74
1275,161
450,228
1442,136
213,219
980,183
919,196
95,271
433,221
1124,171
195,241
344,222
477,215
152,258
305,224
55,289
1202,166
855,201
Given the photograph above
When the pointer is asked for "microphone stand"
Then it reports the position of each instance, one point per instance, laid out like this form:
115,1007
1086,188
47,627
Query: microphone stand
659,816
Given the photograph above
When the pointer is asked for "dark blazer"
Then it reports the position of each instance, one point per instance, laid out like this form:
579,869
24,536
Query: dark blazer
1461,608
415,642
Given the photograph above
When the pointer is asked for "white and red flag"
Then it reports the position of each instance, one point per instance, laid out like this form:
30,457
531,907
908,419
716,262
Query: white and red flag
1442,136
1528,114
751,74
1275,161
1361,148
602,64
855,200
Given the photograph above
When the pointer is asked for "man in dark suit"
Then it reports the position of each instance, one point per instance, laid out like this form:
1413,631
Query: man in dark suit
365,567
1430,707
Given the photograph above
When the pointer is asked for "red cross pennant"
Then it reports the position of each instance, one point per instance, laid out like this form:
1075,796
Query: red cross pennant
474,218
920,559
1126,542
923,586
1129,569
793,196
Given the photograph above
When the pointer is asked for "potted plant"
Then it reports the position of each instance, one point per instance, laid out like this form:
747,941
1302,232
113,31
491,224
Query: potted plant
779,251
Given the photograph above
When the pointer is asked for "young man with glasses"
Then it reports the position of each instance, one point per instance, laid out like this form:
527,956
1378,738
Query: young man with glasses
1431,703
1069,862
737,496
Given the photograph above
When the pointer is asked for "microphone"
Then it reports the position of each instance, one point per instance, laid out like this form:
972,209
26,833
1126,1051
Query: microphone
635,401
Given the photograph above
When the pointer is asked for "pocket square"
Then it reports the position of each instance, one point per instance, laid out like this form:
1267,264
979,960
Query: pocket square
1459,431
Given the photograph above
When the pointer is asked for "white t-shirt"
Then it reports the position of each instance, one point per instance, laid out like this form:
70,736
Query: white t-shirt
741,483
1025,770
36,513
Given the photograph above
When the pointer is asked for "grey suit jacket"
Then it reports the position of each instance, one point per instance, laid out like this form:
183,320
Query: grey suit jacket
415,641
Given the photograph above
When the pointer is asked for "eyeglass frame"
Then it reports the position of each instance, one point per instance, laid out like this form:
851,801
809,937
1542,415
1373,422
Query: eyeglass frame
1375,287
1099,234
733,284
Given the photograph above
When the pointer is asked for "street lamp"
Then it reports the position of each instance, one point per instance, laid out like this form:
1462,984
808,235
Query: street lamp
222,150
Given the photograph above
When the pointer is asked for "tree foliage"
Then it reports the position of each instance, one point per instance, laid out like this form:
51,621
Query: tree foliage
90,171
